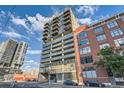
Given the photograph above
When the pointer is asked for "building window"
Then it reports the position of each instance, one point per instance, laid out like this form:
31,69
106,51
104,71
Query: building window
104,45
82,35
112,24
101,37
116,32
119,42
99,29
89,73
84,42
86,59
123,19
85,50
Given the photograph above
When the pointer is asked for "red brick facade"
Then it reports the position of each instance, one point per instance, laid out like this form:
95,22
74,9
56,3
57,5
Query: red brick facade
102,75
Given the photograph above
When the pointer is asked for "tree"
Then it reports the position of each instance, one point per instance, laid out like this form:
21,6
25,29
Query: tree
110,59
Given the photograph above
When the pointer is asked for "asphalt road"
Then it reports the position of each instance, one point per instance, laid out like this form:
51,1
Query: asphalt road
35,85
43,85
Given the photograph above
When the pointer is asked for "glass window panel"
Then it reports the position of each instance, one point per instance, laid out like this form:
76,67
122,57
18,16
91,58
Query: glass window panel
82,34
112,24
84,42
116,32
99,29
101,37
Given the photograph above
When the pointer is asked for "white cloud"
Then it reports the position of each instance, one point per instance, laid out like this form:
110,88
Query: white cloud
19,21
87,9
85,21
12,34
37,21
33,52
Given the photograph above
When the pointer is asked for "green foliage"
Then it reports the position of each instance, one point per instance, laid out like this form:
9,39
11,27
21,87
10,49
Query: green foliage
110,59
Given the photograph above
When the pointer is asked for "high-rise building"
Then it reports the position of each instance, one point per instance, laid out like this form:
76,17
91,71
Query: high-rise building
19,55
7,49
12,53
90,40
58,53
11,58
69,50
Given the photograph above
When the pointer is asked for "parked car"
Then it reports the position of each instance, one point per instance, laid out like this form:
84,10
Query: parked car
94,84
70,82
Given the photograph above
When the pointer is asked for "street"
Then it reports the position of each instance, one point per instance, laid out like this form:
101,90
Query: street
35,85
44,85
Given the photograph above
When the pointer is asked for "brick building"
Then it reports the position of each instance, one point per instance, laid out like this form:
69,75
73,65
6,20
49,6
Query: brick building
88,42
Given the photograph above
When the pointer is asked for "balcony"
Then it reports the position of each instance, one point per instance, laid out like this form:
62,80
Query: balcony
46,31
55,20
47,44
68,17
68,50
69,45
66,13
68,36
56,24
69,61
47,24
54,54
68,41
56,58
45,34
45,60
44,38
45,56
56,49
69,55
67,22
59,44
46,48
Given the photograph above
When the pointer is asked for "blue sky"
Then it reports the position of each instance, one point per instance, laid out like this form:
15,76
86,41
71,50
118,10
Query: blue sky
25,23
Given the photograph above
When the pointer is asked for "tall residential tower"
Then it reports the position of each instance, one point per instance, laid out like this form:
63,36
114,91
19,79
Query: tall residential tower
58,53
12,53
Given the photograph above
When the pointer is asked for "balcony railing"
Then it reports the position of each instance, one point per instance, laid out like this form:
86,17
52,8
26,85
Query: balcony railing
70,40
45,52
69,45
46,48
68,50
69,55
45,60
57,53
57,45
59,48
64,37
44,45
45,56
69,61
56,58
